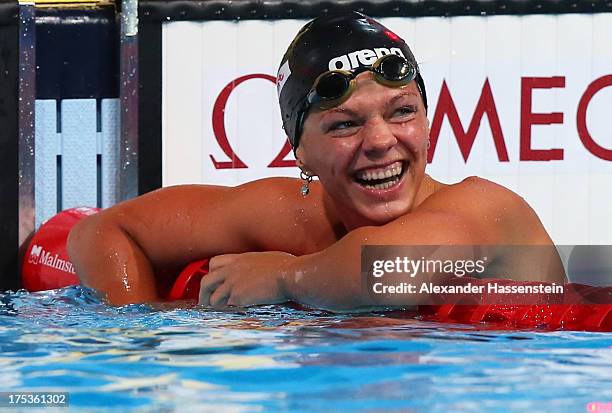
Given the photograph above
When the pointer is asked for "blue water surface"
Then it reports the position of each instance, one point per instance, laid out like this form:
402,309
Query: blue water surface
273,358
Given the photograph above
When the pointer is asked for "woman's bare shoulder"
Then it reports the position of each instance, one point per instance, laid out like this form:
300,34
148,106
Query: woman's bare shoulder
501,212
474,192
262,191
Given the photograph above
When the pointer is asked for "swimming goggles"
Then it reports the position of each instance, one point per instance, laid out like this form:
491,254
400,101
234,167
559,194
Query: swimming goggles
334,87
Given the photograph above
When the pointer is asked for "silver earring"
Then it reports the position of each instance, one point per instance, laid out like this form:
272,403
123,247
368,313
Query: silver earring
306,184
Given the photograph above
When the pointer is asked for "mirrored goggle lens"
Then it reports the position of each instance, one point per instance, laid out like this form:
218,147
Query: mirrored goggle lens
396,68
332,85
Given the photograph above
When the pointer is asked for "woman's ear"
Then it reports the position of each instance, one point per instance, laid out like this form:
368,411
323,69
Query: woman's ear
299,158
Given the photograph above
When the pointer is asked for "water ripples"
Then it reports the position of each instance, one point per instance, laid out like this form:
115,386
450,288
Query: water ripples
275,358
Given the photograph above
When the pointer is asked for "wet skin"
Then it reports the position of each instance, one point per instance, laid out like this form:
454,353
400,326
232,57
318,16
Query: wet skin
271,245
377,127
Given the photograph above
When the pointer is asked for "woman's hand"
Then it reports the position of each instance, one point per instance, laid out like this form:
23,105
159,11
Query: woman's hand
245,279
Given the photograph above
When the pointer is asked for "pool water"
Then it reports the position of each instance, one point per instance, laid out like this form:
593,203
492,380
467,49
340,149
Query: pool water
275,358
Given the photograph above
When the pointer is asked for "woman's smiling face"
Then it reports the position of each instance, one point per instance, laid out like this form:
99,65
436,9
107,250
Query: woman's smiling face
370,152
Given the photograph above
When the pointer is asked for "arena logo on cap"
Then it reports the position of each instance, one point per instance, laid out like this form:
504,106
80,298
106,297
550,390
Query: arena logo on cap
39,256
365,57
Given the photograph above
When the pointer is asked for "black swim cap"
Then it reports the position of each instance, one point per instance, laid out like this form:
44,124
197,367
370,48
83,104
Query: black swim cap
332,42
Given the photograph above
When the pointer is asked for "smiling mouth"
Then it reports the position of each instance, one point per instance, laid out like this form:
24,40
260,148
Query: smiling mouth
381,178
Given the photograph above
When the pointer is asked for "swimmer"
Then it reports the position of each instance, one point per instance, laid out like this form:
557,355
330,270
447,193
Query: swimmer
354,107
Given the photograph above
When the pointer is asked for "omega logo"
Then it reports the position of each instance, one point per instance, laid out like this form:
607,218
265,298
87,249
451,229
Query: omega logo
218,124
446,109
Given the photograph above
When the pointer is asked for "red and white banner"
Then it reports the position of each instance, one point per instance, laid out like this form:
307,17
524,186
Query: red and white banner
525,101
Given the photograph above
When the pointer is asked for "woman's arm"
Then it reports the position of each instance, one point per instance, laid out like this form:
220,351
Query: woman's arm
108,259
479,214
331,278
122,250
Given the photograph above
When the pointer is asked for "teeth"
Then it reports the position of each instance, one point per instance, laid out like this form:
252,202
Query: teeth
384,185
392,170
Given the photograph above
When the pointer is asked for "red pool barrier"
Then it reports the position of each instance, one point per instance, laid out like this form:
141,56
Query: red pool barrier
581,307
46,265
187,284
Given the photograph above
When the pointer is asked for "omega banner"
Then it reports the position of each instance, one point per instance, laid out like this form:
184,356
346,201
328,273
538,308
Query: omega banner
525,101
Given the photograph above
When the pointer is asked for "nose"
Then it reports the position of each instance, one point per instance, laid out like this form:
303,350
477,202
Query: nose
378,137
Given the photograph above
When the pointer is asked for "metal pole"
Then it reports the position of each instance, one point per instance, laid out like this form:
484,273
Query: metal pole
128,94
27,98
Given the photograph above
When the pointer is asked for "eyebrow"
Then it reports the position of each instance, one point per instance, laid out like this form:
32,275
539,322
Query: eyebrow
350,112
401,95
341,110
